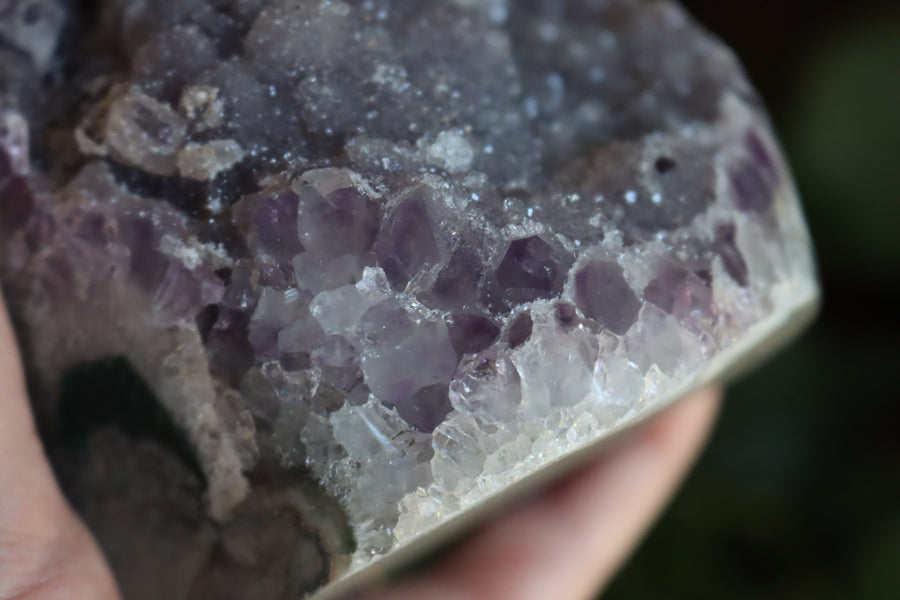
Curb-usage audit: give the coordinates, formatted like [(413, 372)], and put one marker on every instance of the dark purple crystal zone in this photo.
[(753, 179), (533, 269), (726, 247), (269, 224), (603, 295), (239, 331), (679, 292), (406, 244), (298, 241), (470, 334), (317, 235), (321, 228)]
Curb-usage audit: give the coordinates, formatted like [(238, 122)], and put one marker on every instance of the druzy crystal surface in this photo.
[(365, 264)]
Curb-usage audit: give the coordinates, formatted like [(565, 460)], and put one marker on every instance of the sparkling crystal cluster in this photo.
[(376, 260)]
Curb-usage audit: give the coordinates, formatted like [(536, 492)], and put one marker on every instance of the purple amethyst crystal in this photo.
[(427, 346), (754, 178), (532, 269), (471, 334), (363, 265), (337, 223), (456, 286), (268, 222), (406, 242), (603, 295), (427, 408), (679, 292), (731, 256)]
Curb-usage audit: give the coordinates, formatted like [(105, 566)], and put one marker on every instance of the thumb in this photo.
[(46, 553)]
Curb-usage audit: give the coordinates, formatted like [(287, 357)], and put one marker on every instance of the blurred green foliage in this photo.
[(798, 494)]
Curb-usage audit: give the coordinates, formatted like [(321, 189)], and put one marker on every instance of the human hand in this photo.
[(564, 544), (46, 553)]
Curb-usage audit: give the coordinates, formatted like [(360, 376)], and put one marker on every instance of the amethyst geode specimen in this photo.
[(298, 281)]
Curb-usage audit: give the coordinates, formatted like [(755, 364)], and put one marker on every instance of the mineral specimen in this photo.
[(299, 281)]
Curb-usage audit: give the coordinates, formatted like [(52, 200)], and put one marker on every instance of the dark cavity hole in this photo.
[(110, 393), (224, 274), (206, 319), (664, 164), (32, 14)]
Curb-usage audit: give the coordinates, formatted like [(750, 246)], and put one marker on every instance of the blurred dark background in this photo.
[(798, 493)]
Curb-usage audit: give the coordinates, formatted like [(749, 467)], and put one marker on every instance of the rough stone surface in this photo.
[(363, 264)]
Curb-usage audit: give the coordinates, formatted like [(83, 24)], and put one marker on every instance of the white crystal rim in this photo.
[(759, 342)]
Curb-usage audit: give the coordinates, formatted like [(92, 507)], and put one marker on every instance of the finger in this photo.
[(45, 551), (568, 543)]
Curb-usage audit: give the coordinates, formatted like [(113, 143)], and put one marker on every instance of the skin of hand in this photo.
[(565, 544)]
